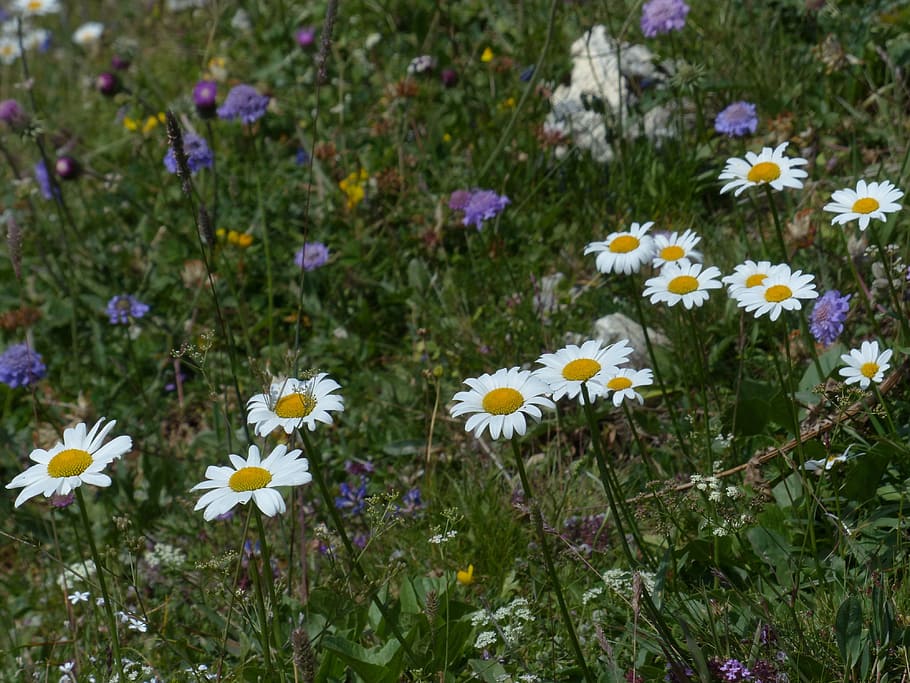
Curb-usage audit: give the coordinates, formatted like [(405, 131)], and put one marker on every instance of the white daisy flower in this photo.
[(88, 34), (867, 201), (675, 248), (9, 50), (292, 403), (624, 382), (252, 479), (769, 167), (780, 291), (747, 275), (78, 460), (500, 401), (686, 283), (571, 367), (36, 39), (828, 463), (865, 365), (624, 252), (34, 8)]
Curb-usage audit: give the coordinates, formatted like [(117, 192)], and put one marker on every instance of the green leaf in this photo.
[(848, 627), (378, 664)]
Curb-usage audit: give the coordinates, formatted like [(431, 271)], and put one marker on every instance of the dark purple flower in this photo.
[(123, 307), (67, 168), (449, 78), (245, 103), (120, 63), (736, 120), (20, 366), (302, 158), (44, 180), (526, 74), (826, 322), (108, 84), (411, 503), (352, 500), (311, 256), (198, 154), (662, 16), (358, 467), (11, 112), (483, 205), (306, 36), (734, 671), (204, 96), (63, 501)]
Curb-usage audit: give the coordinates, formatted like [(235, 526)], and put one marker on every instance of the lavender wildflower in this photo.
[(732, 670), (352, 500), (662, 16), (459, 199), (245, 103), (412, 503), (826, 322), (306, 36), (12, 114), (44, 180), (20, 366), (123, 307), (311, 256), (737, 119), (198, 154), (483, 205), (204, 97)]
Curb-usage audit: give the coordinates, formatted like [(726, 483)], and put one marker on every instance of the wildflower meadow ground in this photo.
[(555, 340)]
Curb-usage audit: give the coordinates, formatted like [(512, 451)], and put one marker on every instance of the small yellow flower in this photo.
[(354, 188), (130, 124), (239, 239), (465, 578), (152, 122), (507, 104), (487, 55), (446, 137), (218, 68)]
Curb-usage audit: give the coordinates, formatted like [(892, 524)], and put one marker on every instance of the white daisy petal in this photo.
[(778, 290), (868, 201), (624, 252), (865, 365), (769, 167), (294, 403)]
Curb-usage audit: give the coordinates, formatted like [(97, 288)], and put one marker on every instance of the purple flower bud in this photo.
[(204, 95), (306, 37), (11, 112), (449, 78), (120, 63), (67, 168), (108, 84)]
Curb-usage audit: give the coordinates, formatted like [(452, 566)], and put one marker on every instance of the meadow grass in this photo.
[(278, 291)]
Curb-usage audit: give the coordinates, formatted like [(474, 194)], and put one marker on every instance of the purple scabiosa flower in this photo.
[(11, 113), (662, 16), (245, 103), (198, 154), (459, 199), (67, 168), (108, 84), (204, 95), (311, 256), (306, 36), (826, 322), (20, 366), (44, 180), (483, 205), (737, 119), (123, 307)]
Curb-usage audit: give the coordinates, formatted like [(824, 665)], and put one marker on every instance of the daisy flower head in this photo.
[(867, 201), (781, 290), (624, 252), (501, 401), (292, 403), (865, 365), (769, 167), (572, 367), (675, 248), (88, 34), (253, 479), (828, 463), (35, 8), (625, 381), (79, 459), (747, 275), (686, 283)]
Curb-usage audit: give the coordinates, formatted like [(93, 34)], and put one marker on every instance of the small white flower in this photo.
[(682, 283), (865, 365), (675, 248), (867, 201), (747, 275), (624, 382), (88, 34), (36, 8), (78, 597), (769, 167), (624, 252), (9, 50)]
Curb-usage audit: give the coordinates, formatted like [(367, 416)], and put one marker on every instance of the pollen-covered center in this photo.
[(580, 369), (619, 383), (672, 253), (868, 369), (503, 401), (624, 244), (683, 284), (777, 293), (69, 463), (865, 205), (249, 479), (755, 279), (295, 405), (764, 172), (34, 5)]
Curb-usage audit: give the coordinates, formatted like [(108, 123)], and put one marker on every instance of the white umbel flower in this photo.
[(769, 167), (567, 370), (865, 365), (293, 403), (253, 479), (625, 381), (501, 401), (624, 252), (79, 459), (867, 201), (688, 284), (675, 248), (780, 291)]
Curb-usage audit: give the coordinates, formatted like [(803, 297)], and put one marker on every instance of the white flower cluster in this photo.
[(509, 619), (134, 623), (620, 581), (76, 574), (439, 539), (713, 487), (165, 556)]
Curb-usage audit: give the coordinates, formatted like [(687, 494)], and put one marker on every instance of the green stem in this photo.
[(264, 631), (548, 561), (99, 566), (270, 582), (777, 226)]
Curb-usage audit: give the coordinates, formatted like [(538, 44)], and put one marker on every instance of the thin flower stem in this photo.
[(108, 607), (703, 383), (654, 469), (884, 405), (534, 508), (777, 226), (227, 622), (861, 285), (267, 563), (264, 631)]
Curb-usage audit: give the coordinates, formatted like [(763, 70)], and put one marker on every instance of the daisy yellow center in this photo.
[(249, 479), (69, 463), (777, 293), (295, 405), (764, 172), (672, 253), (503, 401), (868, 369), (35, 5), (755, 279), (580, 369), (619, 383), (865, 205), (624, 244), (683, 284)]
